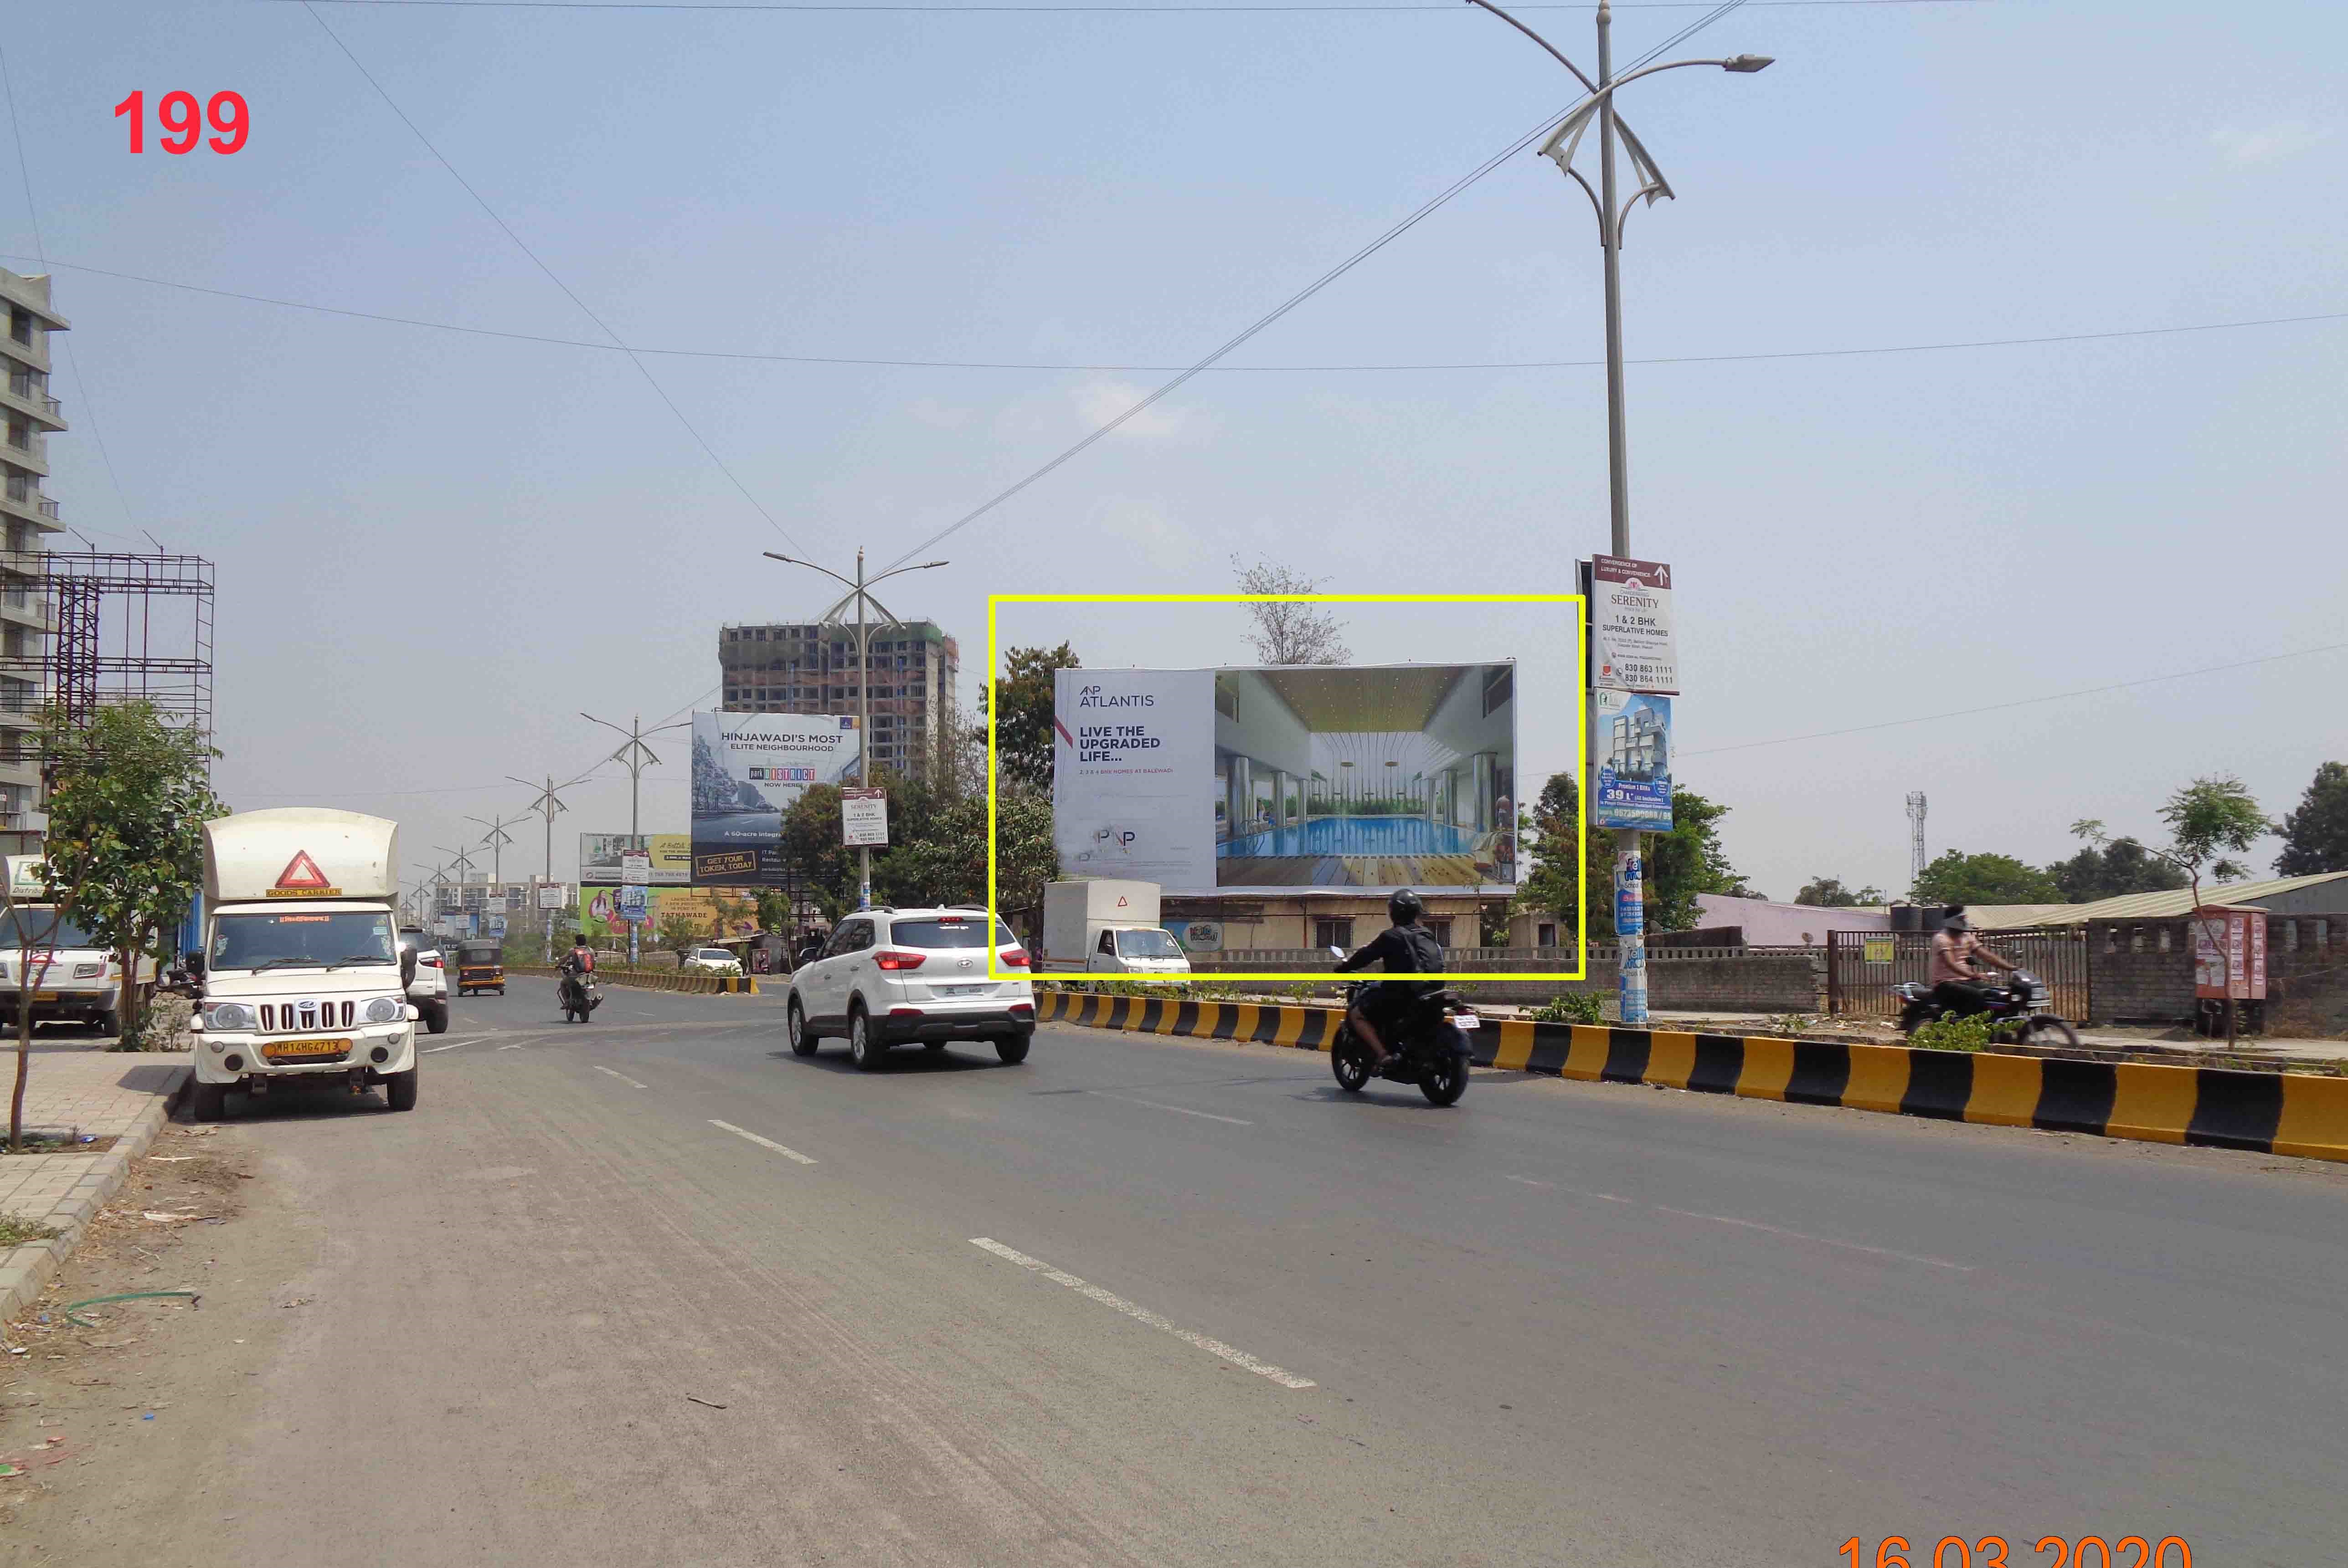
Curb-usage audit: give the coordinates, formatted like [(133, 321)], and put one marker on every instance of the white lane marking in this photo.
[(1177, 1109), (1612, 1199), (515, 1047), (761, 1143), (450, 1046), (1531, 1182), (1143, 1315), (1822, 1240), (621, 1077)]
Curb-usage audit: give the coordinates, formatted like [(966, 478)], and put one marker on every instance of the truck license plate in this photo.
[(45, 996), (1464, 1021), (322, 1050)]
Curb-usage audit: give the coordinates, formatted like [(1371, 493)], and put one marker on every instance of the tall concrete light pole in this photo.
[(1562, 144), (636, 757), (857, 592)]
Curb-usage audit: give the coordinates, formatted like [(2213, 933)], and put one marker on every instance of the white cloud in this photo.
[(1163, 543), (2268, 143), (1101, 401)]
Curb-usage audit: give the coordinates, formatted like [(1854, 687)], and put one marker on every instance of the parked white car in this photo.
[(894, 976), (712, 961), (429, 989)]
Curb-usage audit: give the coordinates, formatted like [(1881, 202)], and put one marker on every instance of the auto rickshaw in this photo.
[(480, 966)]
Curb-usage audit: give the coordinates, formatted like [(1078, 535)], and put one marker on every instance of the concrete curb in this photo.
[(2269, 1113), (696, 984), (24, 1270)]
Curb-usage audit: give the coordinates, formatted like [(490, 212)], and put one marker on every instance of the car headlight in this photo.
[(88, 971), (385, 1010), (228, 1015)]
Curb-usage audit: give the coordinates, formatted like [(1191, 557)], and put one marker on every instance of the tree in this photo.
[(2315, 835), (1960, 878), (1828, 893), (1286, 632), (1024, 713), (128, 796), (2113, 871), (812, 851), (680, 933), (1682, 863)]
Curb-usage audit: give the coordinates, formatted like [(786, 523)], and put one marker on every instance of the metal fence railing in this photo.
[(1863, 968)]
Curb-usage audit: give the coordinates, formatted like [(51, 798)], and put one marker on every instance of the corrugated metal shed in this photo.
[(2180, 901)]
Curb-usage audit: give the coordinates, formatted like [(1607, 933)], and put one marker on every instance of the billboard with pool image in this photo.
[(1305, 777)]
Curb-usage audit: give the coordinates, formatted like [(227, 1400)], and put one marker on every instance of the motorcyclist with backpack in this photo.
[(575, 966), (1408, 948)]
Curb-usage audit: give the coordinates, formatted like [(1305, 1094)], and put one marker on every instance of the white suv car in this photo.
[(891, 976), (429, 989)]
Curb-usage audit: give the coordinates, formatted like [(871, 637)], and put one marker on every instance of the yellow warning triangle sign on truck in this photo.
[(302, 879)]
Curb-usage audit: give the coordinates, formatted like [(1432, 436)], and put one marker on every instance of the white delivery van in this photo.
[(303, 973), (73, 979), (1107, 927)]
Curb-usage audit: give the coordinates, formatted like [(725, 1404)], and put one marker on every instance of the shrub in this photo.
[(1967, 1033), (1571, 1007)]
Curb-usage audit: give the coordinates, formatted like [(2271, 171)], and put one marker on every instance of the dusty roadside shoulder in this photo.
[(116, 1430)]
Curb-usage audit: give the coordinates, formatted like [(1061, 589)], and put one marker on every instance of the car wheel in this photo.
[(109, 1022), (207, 1102), (803, 1039), (862, 1048), (436, 1017), (399, 1091), (1012, 1049)]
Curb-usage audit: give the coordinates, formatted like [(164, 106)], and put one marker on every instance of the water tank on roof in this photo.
[(1906, 917)]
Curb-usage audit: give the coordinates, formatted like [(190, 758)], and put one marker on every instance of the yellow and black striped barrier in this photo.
[(2270, 1113)]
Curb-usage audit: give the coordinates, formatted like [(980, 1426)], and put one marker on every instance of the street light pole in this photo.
[(637, 757), (547, 805), (1630, 873), (858, 590)]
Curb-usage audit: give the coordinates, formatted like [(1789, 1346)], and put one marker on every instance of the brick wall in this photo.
[(2142, 971)]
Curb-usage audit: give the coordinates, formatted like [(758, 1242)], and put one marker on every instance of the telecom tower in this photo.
[(1915, 839)]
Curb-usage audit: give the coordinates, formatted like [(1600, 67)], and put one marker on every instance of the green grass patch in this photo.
[(16, 1232)]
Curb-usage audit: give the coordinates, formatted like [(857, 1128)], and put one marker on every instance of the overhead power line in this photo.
[(1055, 368), (523, 246)]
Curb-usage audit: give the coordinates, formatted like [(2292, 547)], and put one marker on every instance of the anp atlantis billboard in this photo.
[(1298, 777), (747, 769)]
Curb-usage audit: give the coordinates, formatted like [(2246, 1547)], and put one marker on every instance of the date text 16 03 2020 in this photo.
[(1993, 1551)]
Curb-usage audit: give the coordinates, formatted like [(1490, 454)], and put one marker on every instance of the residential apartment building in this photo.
[(27, 520), (810, 667)]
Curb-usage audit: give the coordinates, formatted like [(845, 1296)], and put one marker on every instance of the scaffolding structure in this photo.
[(153, 645)]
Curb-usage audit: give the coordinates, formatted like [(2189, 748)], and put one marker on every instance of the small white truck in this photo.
[(1107, 927), (303, 973), (73, 979)]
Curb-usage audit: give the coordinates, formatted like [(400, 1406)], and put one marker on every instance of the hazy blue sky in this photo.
[(434, 548)]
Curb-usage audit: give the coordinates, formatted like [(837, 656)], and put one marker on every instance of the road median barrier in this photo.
[(655, 980), (2270, 1113)]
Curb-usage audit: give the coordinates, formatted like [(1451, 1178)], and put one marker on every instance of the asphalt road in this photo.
[(1224, 1314)]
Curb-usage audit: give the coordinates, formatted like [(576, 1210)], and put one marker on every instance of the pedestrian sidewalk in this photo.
[(99, 1094)]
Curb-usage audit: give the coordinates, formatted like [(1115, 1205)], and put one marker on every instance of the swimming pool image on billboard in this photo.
[(1365, 776)]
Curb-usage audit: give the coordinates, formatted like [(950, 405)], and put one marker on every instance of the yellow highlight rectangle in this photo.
[(1671, 1057), (2005, 1090), (1879, 1077), (2152, 1104), (1582, 751), (1585, 1058), (2314, 1117), (1769, 1067), (1515, 1047)]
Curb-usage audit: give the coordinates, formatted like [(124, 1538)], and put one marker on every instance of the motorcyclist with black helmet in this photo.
[(1408, 948)]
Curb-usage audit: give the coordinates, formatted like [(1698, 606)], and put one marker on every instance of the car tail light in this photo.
[(429, 960), (898, 958), (1014, 958), (1023, 1006), (904, 1012)]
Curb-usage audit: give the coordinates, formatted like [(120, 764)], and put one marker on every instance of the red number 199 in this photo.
[(181, 126)]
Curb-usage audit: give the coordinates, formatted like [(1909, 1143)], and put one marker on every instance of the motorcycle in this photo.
[(2016, 1007), (579, 995), (1426, 1045)]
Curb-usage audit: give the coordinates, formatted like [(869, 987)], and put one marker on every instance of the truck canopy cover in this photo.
[(300, 851)]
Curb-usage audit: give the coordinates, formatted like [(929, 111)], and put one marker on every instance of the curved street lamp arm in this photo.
[(1537, 38), (795, 561)]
